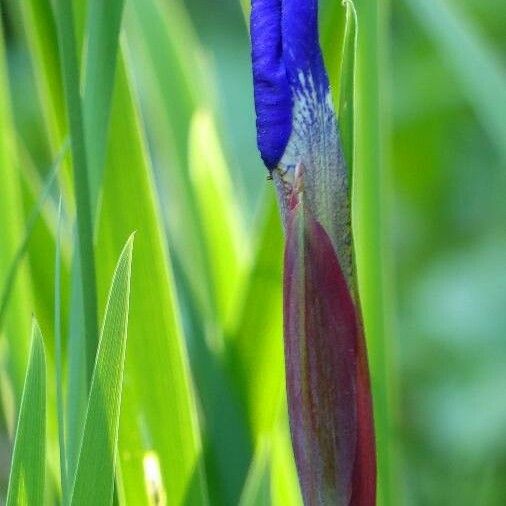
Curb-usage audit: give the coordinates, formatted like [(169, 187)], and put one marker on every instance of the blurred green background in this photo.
[(443, 191)]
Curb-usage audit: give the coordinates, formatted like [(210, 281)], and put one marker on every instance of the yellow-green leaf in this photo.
[(94, 480), (26, 480)]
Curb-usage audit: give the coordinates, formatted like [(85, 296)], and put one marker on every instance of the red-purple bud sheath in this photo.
[(328, 389), (326, 369)]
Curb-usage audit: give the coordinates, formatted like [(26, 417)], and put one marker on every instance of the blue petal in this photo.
[(296, 120), (301, 47), (273, 101), (286, 60)]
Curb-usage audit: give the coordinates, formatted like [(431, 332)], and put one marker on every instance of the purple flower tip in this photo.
[(284, 39)]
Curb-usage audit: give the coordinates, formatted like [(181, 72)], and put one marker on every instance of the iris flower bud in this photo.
[(328, 391)]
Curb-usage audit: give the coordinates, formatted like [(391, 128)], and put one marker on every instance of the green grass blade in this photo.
[(484, 80), (346, 111), (160, 38), (76, 365), (285, 482), (40, 33), (41, 38), (246, 9), (158, 411), (339, 44), (16, 321), (94, 479), (256, 337), (257, 489), (70, 72), (164, 35), (26, 480), (103, 27), (58, 360), (227, 251), (333, 19), (42, 242), (225, 241), (370, 220), (31, 221)]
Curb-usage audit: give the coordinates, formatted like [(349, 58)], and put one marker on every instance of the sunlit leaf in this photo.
[(160, 37), (26, 480), (15, 325), (158, 412), (102, 29), (225, 241), (483, 80), (371, 195), (31, 221), (97, 457), (346, 109), (59, 361), (285, 488), (256, 343), (257, 490), (71, 79)]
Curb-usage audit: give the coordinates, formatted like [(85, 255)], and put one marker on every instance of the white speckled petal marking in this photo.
[(314, 143)]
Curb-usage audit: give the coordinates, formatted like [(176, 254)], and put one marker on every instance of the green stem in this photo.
[(70, 70), (373, 251), (58, 360)]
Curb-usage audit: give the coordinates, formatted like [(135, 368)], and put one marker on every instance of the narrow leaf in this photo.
[(224, 238), (21, 250), (285, 487), (257, 487), (479, 69), (71, 81), (58, 360), (40, 32), (372, 193), (26, 480), (77, 390), (16, 324), (160, 37), (158, 410), (102, 35), (346, 112), (94, 480), (333, 19), (256, 343)]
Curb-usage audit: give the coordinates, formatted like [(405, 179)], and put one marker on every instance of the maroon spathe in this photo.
[(328, 388)]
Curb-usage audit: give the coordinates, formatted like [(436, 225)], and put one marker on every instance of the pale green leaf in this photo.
[(59, 361), (71, 80), (40, 32), (26, 480), (256, 337), (257, 489), (103, 27), (160, 38), (224, 237), (371, 195), (480, 71), (346, 112), (285, 483), (332, 29), (21, 250), (94, 479), (15, 322), (158, 411)]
